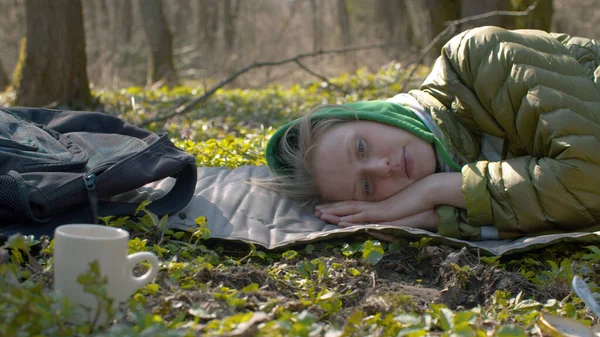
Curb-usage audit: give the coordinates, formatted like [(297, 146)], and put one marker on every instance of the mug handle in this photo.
[(140, 281)]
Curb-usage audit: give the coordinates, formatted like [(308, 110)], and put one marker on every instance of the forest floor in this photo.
[(356, 286)]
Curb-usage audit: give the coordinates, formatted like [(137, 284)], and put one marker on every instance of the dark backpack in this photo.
[(58, 167)]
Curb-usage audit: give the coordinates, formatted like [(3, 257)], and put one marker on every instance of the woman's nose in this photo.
[(380, 167)]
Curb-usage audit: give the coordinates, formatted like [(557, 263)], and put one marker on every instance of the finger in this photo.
[(349, 224), (363, 216), (318, 214), (353, 208), (330, 218), (327, 205), (427, 220), (335, 204)]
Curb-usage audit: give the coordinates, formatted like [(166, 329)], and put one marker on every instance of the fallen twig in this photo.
[(321, 77), (186, 107)]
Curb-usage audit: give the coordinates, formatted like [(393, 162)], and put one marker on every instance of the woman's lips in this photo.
[(408, 163)]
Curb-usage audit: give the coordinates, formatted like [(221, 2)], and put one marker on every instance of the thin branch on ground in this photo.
[(451, 27), (321, 77), (272, 79), (189, 105)]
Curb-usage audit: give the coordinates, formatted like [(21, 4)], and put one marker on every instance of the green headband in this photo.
[(375, 111)]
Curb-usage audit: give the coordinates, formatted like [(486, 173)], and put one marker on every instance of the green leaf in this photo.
[(178, 235), (353, 271), (151, 288), (412, 331), (553, 265), (511, 331), (397, 244), (137, 245), (350, 249), (106, 219), (594, 249), (302, 269), (155, 220), (164, 221), (356, 317), (408, 319), (372, 252), (321, 270), (309, 248), (569, 310), (18, 242), (446, 319), (290, 254), (260, 254), (464, 317), (159, 250), (251, 288), (200, 221), (142, 207), (491, 260)]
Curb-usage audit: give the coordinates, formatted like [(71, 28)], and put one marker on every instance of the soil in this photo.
[(456, 278)]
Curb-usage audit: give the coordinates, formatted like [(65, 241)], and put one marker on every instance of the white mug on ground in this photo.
[(78, 245)]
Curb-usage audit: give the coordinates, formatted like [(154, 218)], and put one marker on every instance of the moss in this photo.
[(18, 73)]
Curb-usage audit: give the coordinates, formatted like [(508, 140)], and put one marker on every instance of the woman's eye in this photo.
[(361, 148), (367, 187)]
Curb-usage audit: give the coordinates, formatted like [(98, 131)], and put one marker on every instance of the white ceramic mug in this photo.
[(76, 246)]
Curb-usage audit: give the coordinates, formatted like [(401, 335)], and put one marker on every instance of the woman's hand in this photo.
[(420, 197), (412, 200), (427, 220)]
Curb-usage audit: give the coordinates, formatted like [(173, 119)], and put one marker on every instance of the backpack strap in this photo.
[(171, 202), (175, 200)]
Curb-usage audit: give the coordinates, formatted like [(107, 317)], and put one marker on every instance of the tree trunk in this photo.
[(539, 18), (183, 11), (230, 12), (385, 11), (4, 82), (91, 28), (344, 22), (427, 18), (475, 7), (160, 42), (420, 21), (123, 15), (395, 30), (316, 25), (12, 28), (103, 27), (208, 26), (52, 63)]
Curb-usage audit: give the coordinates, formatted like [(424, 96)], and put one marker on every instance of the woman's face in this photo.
[(369, 161)]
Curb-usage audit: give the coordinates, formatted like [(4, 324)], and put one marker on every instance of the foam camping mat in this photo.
[(238, 210)]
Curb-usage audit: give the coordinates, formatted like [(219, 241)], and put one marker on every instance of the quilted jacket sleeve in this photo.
[(541, 93)]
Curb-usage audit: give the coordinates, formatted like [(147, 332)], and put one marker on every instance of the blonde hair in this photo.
[(299, 183)]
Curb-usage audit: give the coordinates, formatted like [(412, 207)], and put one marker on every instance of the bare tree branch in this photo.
[(289, 72), (451, 29), (321, 77), (186, 107)]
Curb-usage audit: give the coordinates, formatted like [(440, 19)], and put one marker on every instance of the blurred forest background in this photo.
[(45, 46)]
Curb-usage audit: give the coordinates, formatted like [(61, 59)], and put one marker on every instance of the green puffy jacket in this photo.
[(536, 97)]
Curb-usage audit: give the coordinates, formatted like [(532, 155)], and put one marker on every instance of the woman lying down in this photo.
[(501, 140)]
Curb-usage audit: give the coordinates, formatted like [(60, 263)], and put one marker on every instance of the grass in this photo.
[(354, 287)]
